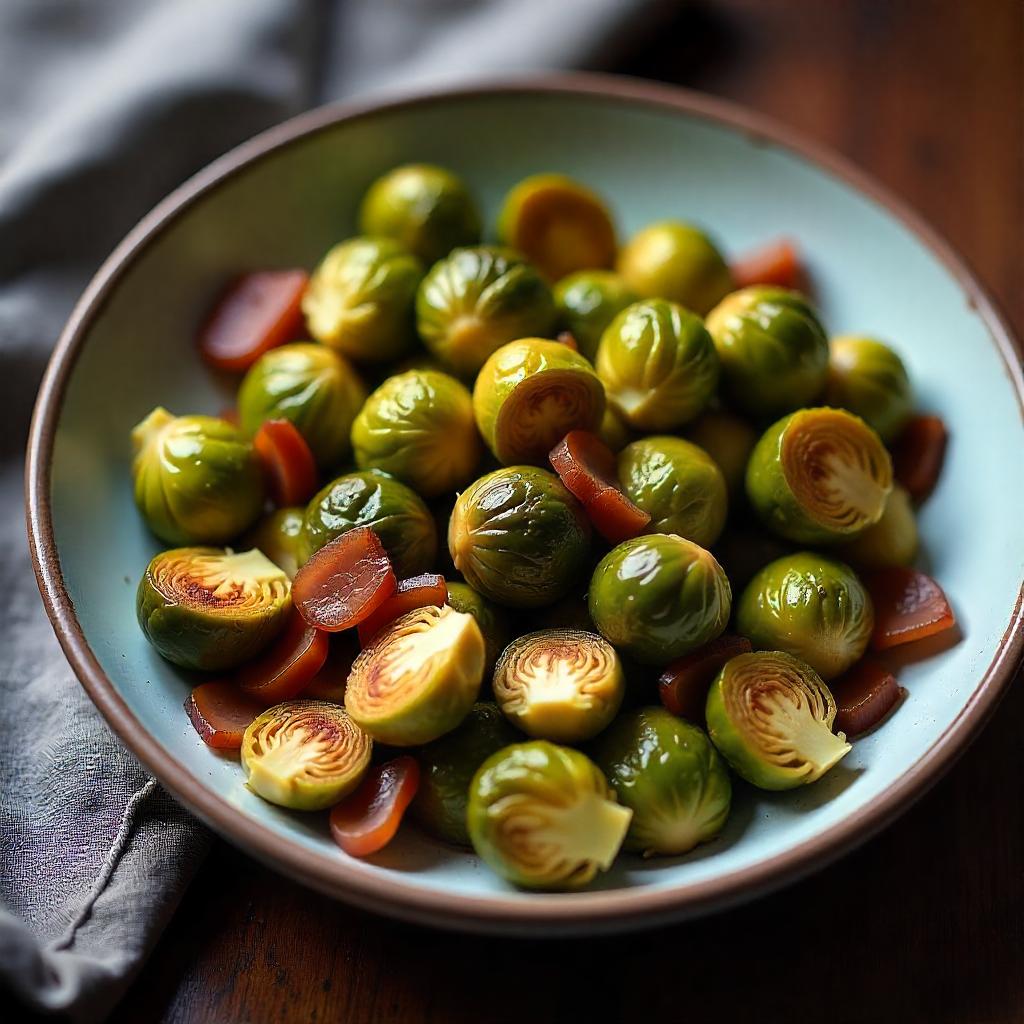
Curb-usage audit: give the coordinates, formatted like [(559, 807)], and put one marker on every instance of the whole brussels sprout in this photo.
[(613, 431), (279, 536), (478, 299), (729, 441), (312, 386), (519, 537), (397, 515), (669, 774), (866, 377), (426, 208), (772, 348), (543, 817), (197, 479), (530, 394), (360, 299), (675, 261), (891, 541), (587, 303), (678, 485), (659, 597), (492, 620), (419, 427), (812, 607), (658, 365)]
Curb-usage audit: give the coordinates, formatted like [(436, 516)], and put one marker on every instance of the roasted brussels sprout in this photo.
[(729, 441), (530, 394), (658, 597), (360, 299), (419, 677), (197, 479), (427, 209), (477, 300), (866, 377), (208, 609), (658, 365), (771, 717), (492, 621), (543, 817), (772, 348), (678, 485), (587, 303), (891, 541), (819, 475), (809, 606), (519, 537), (279, 536), (669, 774)]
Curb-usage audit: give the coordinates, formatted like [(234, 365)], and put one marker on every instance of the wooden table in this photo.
[(926, 923)]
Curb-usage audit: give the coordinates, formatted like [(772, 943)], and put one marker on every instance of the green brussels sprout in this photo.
[(530, 394), (658, 365), (543, 817), (492, 620), (208, 609), (279, 536), (772, 348), (360, 299), (729, 441), (477, 300), (678, 485), (771, 717), (675, 261), (658, 597), (670, 775), (197, 479), (819, 476), (427, 209), (891, 541), (812, 607), (587, 302), (397, 515), (613, 431), (519, 537), (869, 379)]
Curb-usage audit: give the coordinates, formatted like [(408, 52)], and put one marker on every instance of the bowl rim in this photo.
[(351, 880)]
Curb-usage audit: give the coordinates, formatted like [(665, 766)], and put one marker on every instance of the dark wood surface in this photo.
[(925, 923)]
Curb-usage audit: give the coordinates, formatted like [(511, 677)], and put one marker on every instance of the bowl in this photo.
[(282, 200)]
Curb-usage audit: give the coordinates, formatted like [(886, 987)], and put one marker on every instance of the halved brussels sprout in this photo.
[(197, 479), (519, 537), (771, 717), (669, 774), (866, 377), (657, 364), (678, 485), (419, 677), (209, 609), (543, 817), (587, 303), (305, 754), (475, 301), (360, 299), (809, 606), (279, 536), (729, 441), (426, 208), (492, 621), (530, 394), (819, 475), (311, 385), (658, 597), (891, 541), (675, 261)]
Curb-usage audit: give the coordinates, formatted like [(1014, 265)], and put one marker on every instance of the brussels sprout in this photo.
[(869, 379), (891, 541), (658, 597), (492, 621), (305, 754), (208, 609), (772, 348), (771, 717), (669, 774), (678, 485), (425, 208), (477, 300), (809, 606), (519, 537), (530, 394), (360, 299), (729, 441), (419, 677), (543, 817), (658, 365), (819, 475), (279, 536), (312, 386), (197, 478), (587, 303), (397, 515), (613, 431), (675, 261)]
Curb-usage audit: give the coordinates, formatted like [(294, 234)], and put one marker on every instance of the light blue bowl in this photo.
[(282, 200)]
